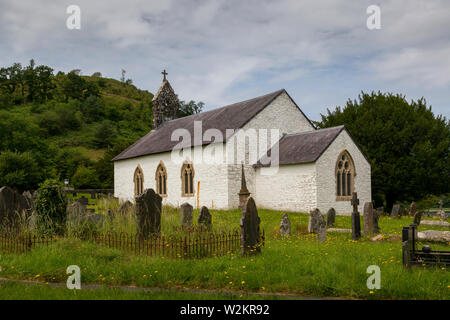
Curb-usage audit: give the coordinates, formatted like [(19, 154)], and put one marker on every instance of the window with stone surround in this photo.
[(187, 180), (138, 181), (161, 179), (345, 177)]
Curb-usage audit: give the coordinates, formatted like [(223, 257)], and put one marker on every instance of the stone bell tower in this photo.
[(165, 103)]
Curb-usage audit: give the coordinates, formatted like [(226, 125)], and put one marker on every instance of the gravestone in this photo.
[(285, 225), (322, 230), (369, 219), (380, 211), (29, 199), (396, 211), (250, 232), (75, 211), (403, 211), (204, 217), (314, 219), (111, 215), (93, 196), (11, 203), (412, 209), (376, 216), (331, 217), (125, 207), (186, 215), (148, 213), (356, 223), (96, 219), (417, 218), (83, 200)]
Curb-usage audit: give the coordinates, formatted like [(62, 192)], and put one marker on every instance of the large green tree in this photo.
[(407, 145)]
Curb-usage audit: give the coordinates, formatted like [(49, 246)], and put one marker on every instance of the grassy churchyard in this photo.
[(287, 267)]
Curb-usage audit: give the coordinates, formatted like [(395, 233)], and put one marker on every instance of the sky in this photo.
[(221, 52)]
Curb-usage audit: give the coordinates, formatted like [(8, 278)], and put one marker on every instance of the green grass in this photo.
[(297, 265)]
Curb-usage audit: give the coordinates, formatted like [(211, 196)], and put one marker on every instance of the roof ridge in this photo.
[(314, 131), (226, 106)]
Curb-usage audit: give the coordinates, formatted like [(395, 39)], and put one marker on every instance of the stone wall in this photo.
[(326, 179)]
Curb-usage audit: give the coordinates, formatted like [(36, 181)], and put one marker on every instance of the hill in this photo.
[(68, 126)]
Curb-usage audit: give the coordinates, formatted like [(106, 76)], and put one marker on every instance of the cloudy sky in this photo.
[(221, 52)]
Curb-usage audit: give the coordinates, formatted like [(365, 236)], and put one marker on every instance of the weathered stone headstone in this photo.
[(441, 213), (186, 215), (331, 217), (11, 203), (29, 199), (380, 211), (93, 196), (83, 200), (204, 217), (314, 219), (369, 219), (376, 216), (417, 218), (75, 211), (111, 215), (396, 211), (285, 225), (322, 230), (148, 213), (125, 207), (250, 232), (412, 209), (356, 223)]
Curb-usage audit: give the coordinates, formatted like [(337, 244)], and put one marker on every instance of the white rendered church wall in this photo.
[(326, 179), (281, 114), (293, 188), (212, 177)]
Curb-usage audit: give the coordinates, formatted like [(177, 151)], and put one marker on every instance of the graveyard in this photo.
[(302, 255)]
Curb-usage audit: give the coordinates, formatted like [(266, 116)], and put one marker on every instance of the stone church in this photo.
[(288, 164)]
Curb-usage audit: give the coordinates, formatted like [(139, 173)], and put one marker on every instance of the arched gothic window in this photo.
[(138, 181), (187, 180), (345, 176), (161, 180)]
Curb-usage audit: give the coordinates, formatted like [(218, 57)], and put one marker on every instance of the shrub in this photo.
[(85, 178), (51, 207)]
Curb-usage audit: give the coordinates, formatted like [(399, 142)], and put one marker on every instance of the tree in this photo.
[(105, 135), (19, 171), (187, 109), (85, 178), (407, 145)]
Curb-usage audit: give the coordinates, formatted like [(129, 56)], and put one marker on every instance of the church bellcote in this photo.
[(165, 103)]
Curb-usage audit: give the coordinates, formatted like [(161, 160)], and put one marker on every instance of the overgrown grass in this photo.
[(298, 265)]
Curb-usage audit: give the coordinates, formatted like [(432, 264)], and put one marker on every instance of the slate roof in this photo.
[(304, 147), (233, 116)]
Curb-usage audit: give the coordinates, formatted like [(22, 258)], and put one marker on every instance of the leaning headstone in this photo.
[(285, 225), (356, 223), (204, 217), (125, 207), (148, 213), (314, 219), (186, 215), (396, 211), (417, 218), (11, 203), (250, 232), (369, 219), (322, 230), (331, 217)]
